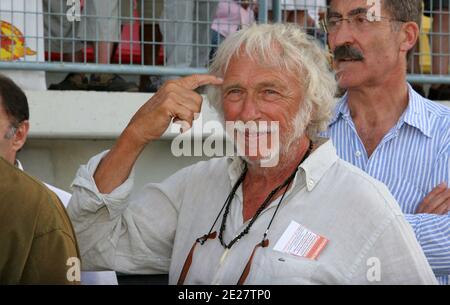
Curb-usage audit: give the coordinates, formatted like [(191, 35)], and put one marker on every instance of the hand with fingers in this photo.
[(436, 202), (176, 100)]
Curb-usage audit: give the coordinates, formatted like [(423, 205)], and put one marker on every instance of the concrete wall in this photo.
[(67, 128), (56, 161)]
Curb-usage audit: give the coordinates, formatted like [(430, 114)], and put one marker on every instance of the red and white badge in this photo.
[(299, 241)]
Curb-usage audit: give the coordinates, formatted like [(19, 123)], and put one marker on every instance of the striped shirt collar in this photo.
[(415, 114)]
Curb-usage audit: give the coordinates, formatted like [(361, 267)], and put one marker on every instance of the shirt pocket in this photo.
[(277, 268)]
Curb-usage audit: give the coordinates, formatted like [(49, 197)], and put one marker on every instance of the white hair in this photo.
[(288, 48)]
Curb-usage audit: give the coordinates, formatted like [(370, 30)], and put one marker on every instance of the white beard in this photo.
[(280, 146)]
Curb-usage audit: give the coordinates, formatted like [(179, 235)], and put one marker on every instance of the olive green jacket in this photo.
[(37, 241)]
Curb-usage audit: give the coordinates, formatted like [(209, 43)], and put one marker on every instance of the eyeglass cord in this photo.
[(268, 199)]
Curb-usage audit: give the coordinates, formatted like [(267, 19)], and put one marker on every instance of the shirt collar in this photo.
[(414, 115), (319, 162), (18, 164), (341, 110)]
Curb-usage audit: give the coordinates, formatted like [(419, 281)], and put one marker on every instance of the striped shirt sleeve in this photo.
[(433, 234), (433, 231)]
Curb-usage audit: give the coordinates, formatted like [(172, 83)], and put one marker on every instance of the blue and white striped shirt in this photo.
[(412, 159)]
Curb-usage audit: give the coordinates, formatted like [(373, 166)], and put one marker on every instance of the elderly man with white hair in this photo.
[(309, 219)]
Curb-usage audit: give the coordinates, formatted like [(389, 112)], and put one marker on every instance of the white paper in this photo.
[(299, 241), (98, 278)]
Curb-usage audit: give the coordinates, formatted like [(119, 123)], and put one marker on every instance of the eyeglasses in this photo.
[(359, 22)]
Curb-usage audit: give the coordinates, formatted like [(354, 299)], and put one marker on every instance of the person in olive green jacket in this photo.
[(37, 241)]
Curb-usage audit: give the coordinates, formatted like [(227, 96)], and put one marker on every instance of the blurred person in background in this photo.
[(230, 16), (149, 13), (306, 13), (186, 31), (99, 26)]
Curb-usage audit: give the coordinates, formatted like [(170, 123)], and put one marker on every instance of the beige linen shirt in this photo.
[(152, 231)]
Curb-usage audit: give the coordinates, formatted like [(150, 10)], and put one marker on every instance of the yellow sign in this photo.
[(12, 43)]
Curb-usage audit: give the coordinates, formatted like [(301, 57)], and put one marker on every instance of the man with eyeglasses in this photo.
[(383, 126), (307, 218)]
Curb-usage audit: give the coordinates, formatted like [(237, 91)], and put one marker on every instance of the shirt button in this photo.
[(310, 183), (358, 154)]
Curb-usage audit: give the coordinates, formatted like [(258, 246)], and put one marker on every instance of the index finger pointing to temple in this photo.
[(197, 80)]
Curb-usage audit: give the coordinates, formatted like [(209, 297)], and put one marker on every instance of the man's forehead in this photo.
[(242, 61), (258, 70), (346, 7), (266, 79)]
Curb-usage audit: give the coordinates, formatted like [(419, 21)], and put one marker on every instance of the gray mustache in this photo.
[(347, 52)]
